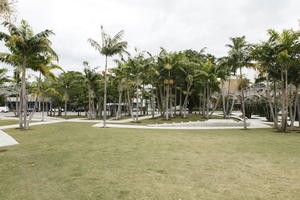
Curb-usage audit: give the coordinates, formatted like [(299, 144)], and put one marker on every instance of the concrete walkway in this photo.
[(6, 140)]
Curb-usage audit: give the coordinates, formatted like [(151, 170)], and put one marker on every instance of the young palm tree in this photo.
[(109, 47), (27, 51)]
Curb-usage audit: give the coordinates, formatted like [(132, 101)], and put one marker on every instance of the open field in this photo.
[(76, 161)]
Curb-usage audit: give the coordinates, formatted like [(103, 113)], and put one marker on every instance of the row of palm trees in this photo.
[(171, 83)]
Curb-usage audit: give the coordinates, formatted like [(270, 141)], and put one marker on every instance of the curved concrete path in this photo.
[(6, 140)]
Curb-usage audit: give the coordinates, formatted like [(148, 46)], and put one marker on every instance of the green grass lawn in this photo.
[(11, 122), (8, 122), (75, 161), (176, 119)]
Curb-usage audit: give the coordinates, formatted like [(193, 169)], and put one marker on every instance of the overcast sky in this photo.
[(151, 24)]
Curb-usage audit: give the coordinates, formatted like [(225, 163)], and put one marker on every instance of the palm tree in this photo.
[(27, 51), (121, 77), (239, 55), (7, 9), (109, 47), (278, 61), (66, 83), (91, 81), (3, 77)]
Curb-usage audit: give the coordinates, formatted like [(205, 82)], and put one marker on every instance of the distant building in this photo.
[(12, 102), (231, 85)]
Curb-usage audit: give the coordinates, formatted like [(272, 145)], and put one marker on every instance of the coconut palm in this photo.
[(109, 47), (27, 51)]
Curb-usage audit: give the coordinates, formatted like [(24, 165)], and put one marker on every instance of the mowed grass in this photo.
[(75, 161), (12, 122), (8, 122)]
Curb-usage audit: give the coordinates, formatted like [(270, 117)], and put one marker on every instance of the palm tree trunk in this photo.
[(270, 103), (167, 102), (223, 100), (291, 103), (90, 106), (66, 108), (137, 103), (24, 97), (180, 103), (158, 102), (50, 106), (185, 100), (20, 106), (105, 94), (215, 107), (119, 104), (227, 103), (204, 102), (171, 103), (163, 105), (284, 101), (243, 101), (175, 101), (130, 105), (296, 104), (243, 109), (153, 103), (207, 101), (43, 110), (232, 106)]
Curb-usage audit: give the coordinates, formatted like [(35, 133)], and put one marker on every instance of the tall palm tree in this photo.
[(239, 55), (27, 51), (109, 47)]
